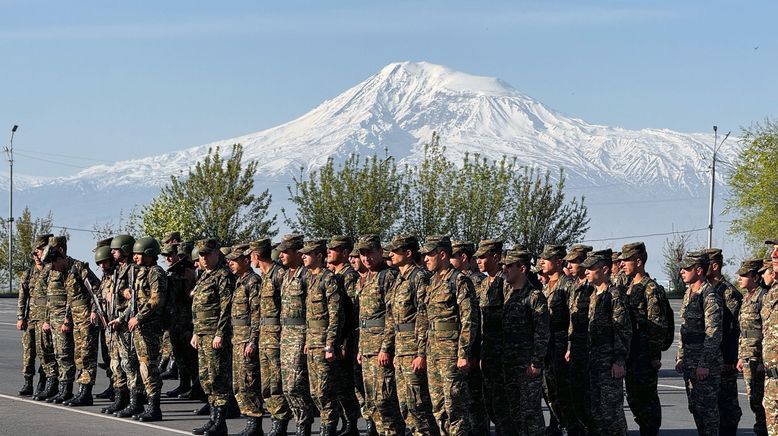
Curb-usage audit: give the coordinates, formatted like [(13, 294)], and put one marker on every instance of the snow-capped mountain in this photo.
[(398, 109)]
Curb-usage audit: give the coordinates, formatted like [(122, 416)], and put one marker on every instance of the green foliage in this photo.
[(752, 184), (215, 200), (674, 251), (356, 198), (26, 230), (129, 226)]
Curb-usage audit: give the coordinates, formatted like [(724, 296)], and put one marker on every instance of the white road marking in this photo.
[(98, 415), (683, 388)]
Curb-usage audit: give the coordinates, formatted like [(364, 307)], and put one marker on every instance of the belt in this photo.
[(79, 303), (40, 301), (292, 321), (318, 323), (269, 321), (205, 313), (755, 334), (238, 322), (693, 338), (444, 326), (771, 372), (378, 322), (405, 327), (57, 298)]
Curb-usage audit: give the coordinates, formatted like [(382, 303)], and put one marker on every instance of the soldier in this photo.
[(338, 250), (577, 354), (294, 367), (24, 308), (526, 325), (452, 332), (464, 260), (610, 333), (646, 303), (324, 315), (211, 308), (729, 408), (104, 246), (375, 350), (556, 388), (168, 366), (618, 277), (118, 379), (406, 321), (37, 314), (750, 342), (245, 316), (359, 385), (699, 356), (491, 304), (770, 342)]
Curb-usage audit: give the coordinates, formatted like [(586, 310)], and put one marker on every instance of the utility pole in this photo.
[(10, 152), (716, 147)]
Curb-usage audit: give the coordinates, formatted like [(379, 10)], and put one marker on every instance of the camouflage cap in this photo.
[(714, 255), (488, 246), (519, 247), (313, 245), (578, 252), (237, 251), (354, 252), (766, 264), (514, 256), (615, 256), (207, 246), (752, 265), (468, 247), (693, 258), (596, 257), (403, 242), (552, 251), (171, 236), (341, 241), (169, 249), (292, 241), (773, 241), (195, 254), (436, 242), (42, 241), (631, 250), (58, 241), (185, 248), (369, 242), (260, 245)]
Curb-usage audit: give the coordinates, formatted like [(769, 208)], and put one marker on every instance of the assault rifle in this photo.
[(133, 303)]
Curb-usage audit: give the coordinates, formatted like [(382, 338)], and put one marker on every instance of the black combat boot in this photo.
[(107, 393), (185, 385), (121, 398), (196, 393), (26, 389), (371, 429), (48, 391), (133, 407), (170, 372), (152, 411), (208, 424), (278, 427), (41, 384), (84, 397), (232, 409), (303, 429), (205, 409), (219, 426), (253, 427), (349, 426), (328, 429), (65, 393)]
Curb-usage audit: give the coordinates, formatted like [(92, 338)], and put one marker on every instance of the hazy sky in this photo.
[(94, 81)]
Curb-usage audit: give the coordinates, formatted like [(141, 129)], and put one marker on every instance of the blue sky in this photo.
[(96, 81)]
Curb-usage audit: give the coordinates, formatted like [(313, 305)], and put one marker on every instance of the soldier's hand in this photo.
[(46, 327), (133, 323), (108, 296), (384, 359), (463, 364), (567, 356), (20, 325), (617, 371), (92, 318), (65, 328), (656, 364), (702, 373), (249, 350), (739, 365), (217, 343), (329, 356), (127, 293), (419, 364), (193, 342), (359, 358), (679, 366)]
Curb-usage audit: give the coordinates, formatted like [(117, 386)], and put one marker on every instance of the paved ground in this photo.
[(22, 416)]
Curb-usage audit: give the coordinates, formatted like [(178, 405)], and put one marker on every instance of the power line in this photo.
[(28, 156), (67, 156), (646, 235)]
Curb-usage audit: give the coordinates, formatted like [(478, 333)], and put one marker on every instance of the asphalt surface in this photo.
[(22, 416)]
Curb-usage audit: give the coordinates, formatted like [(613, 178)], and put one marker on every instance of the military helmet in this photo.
[(146, 245), (102, 253), (124, 243)]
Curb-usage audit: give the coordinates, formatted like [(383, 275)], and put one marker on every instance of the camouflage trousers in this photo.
[(729, 408), (85, 337), (29, 353), (245, 382), (321, 376), (345, 388), (450, 394), (44, 349), (607, 399), (578, 373), (479, 420), (215, 368), (381, 404), (145, 339), (414, 397), (294, 374), (166, 348), (124, 362), (770, 403), (183, 353), (755, 382), (556, 388), (495, 397), (272, 391), (64, 349), (642, 395), (703, 400), (524, 396)]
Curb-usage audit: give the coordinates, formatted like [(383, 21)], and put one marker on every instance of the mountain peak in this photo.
[(438, 77)]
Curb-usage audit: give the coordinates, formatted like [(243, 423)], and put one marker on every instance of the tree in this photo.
[(753, 202), (358, 197), (214, 200), (674, 250), (26, 230), (130, 226)]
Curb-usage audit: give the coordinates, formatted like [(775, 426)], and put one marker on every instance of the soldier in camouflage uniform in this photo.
[(245, 317), (324, 322), (338, 250), (24, 309), (770, 343), (610, 333), (729, 408), (646, 303), (699, 356), (750, 342), (168, 362), (359, 384), (618, 277), (211, 308), (577, 354), (526, 327), (118, 379), (453, 326), (375, 353), (406, 322), (491, 303), (272, 276), (38, 313), (104, 248), (555, 385)]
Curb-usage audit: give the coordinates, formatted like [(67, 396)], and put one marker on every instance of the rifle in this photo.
[(112, 307), (26, 311), (101, 318), (133, 303)]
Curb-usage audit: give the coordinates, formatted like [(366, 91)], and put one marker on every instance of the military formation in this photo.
[(433, 337)]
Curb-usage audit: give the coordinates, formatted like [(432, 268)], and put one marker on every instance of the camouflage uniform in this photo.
[(610, 333), (38, 314), (24, 308), (750, 347), (80, 304), (58, 314), (150, 292), (770, 356), (181, 279), (124, 361), (700, 347)]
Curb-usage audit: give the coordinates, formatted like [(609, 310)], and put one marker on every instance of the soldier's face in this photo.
[(774, 257), (458, 261), (239, 266), (171, 258), (768, 277), (312, 260), (117, 254), (747, 281), (400, 257), (356, 263), (691, 275), (371, 258), (106, 265), (209, 261), (336, 255), (435, 261), (576, 269), (512, 272), (629, 266), (548, 266), (137, 258), (597, 274)]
